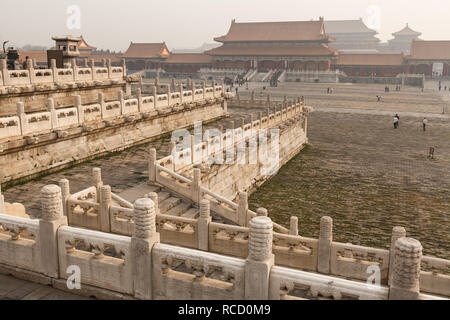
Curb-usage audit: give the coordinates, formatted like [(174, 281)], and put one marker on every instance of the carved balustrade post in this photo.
[(108, 65), (105, 205), (4, 71), (52, 217), (30, 68), (242, 210), (397, 233), (325, 241), (293, 226), (204, 89), (77, 104), (54, 70), (203, 225), (260, 259), (65, 192), (124, 67), (152, 166), (73, 65), (51, 109), (262, 212), (101, 102), (2, 201), (120, 97), (22, 117), (169, 98), (92, 63), (405, 280), (154, 197), (139, 98), (142, 241), (98, 183), (196, 186)]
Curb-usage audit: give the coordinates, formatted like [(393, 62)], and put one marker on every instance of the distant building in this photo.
[(140, 56), (376, 65), (402, 40), (186, 62), (85, 49), (352, 36), (431, 58), (300, 45)]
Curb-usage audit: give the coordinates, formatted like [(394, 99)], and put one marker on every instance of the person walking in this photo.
[(424, 123), (395, 122)]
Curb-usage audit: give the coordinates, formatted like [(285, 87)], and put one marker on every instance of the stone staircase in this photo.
[(168, 203)]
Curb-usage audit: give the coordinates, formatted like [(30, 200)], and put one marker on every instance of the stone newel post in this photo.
[(325, 240), (260, 259), (405, 280), (52, 217), (203, 225), (142, 241)]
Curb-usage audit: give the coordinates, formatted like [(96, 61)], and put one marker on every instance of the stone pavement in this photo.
[(17, 289)]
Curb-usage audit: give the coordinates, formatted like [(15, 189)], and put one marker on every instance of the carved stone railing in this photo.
[(20, 243), (290, 284), (104, 259), (84, 116), (196, 275), (140, 266), (59, 75), (351, 261)]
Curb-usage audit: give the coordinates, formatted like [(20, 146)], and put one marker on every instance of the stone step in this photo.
[(168, 204), (163, 195), (153, 188), (179, 209), (192, 213)]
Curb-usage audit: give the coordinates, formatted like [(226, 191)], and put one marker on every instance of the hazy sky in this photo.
[(189, 23)]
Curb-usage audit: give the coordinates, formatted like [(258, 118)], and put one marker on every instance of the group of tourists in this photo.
[(397, 122)]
